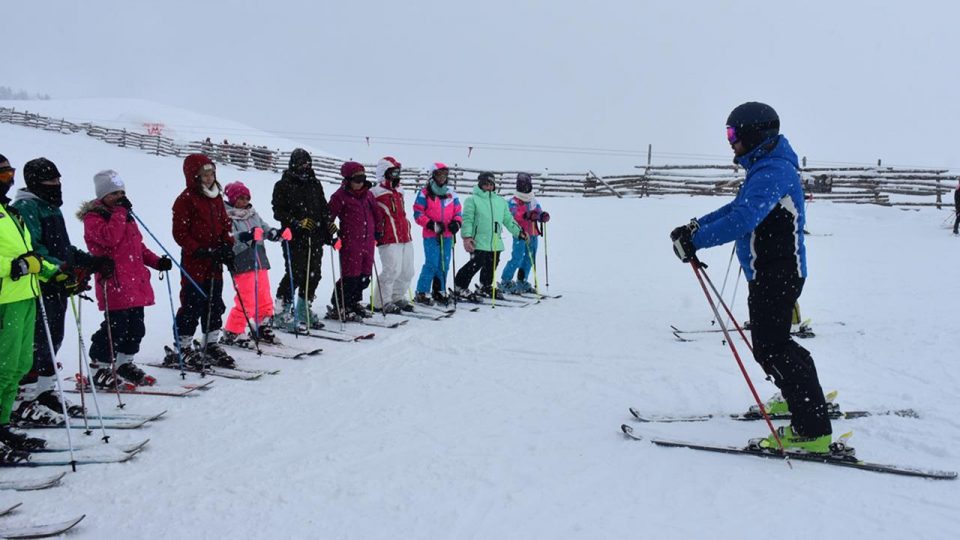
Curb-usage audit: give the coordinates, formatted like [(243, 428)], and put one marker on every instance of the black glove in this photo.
[(28, 263), (125, 202), (435, 227), (453, 227), (103, 211), (245, 236), (224, 255), (683, 241), (164, 264), (103, 266), (272, 235), (544, 217)]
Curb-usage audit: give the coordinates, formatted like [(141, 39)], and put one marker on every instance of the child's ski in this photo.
[(32, 484), (41, 531), (156, 390)]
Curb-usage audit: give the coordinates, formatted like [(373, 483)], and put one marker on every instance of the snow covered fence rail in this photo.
[(860, 185)]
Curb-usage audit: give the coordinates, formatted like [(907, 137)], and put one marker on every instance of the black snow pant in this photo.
[(773, 294), (56, 305), (353, 288), (127, 330), (195, 308), (482, 261), (300, 251)]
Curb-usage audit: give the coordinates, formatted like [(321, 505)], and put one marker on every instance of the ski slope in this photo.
[(505, 423)]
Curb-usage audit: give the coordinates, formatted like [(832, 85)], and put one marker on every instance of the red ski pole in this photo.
[(699, 272)]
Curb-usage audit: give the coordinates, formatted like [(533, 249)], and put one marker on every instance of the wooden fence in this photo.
[(859, 185)]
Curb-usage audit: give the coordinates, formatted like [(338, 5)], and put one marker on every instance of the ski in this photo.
[(803, 333), (156, 390), (835, 414), (126, 447), (275, 351), (827, 459), (535, 296), (226, 373), (381, 323), (121, 416), (435, 316), (5, 511), (32, 484), (77, 423), (331, 335), (82, 457), (41, 531)]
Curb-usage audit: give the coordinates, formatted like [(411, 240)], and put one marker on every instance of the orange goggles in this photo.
[(7, 175)]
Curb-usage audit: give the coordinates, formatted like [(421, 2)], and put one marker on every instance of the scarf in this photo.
[(525, 197)]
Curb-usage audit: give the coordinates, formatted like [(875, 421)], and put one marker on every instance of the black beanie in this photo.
[(298, 157), (7, 167), (39, 170)]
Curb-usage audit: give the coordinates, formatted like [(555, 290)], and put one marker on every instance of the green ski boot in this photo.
[(793, 442)]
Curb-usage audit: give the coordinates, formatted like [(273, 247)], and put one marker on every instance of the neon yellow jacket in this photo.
[(14, 242)]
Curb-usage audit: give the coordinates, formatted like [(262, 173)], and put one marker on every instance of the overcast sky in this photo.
[(853, 81)]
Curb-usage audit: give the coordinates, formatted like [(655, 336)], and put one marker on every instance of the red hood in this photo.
[(191, 168)]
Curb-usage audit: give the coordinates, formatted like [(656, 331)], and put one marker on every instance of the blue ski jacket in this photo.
[(767, 216)]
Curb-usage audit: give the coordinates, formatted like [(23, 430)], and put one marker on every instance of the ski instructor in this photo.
[(766, 220)]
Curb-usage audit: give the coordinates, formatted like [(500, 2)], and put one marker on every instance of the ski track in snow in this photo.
[(504, 423)]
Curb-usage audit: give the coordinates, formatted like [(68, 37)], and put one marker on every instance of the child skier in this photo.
[(484, 214), (201, 228), (110, 231), (396, 246), (39, 206), (254, 299), (526, 210), (437, 209), (354, 205), (300, 205), (20, 268)]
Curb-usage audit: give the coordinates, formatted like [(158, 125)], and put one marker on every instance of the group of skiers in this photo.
[(217, 229)]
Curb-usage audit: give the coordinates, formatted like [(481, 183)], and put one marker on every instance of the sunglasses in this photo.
[(7, 175), (358, 178), (732, 135)]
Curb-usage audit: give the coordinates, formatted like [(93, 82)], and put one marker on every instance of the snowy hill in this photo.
[(504, 423)]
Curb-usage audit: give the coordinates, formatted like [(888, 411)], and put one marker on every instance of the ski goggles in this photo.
[(732, 135), (393, 173), (7, 174), (358, 178)]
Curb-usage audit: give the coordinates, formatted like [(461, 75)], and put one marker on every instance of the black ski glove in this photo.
[(453, 227), (103, 266), (164, 264), (683, 241)]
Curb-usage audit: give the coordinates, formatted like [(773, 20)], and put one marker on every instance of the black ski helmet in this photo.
[(751, 124)]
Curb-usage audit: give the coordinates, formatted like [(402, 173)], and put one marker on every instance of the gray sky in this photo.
[(853, 81)]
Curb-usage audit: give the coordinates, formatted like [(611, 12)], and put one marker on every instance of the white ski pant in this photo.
[(396, 272)]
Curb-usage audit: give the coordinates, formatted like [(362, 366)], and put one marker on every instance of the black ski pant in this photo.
[(956, 222), (485, 262), (773, 294), (300, 251), (195, 308), (127, 330), (56, 305), (353, 288)]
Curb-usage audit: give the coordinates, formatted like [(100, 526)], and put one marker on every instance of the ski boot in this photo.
[(265, 335), (363, 312), (441, 299), (792, 442), (305, 315), (237, 340), (523, 287), (777, 406), (423, 298), (11, 457), (17, 440), (390, 308), (34, 412), (50, 400), (334, 314), (191, 357), (218, 357), (404, 305), (508, 286), (487, 292), (466, 295), (131, 373)]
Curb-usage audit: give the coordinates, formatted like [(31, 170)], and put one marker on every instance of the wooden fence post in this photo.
[(939, 201)]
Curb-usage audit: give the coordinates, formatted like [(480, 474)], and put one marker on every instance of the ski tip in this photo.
[(627, 430), (637, 416)]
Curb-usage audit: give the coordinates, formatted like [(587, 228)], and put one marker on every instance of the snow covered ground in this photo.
[(505, 423)]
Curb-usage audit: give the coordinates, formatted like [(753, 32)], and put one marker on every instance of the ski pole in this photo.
[(493, 284), (170, 255), (176, 332), (246, 316), (546, 257), (379, 290), (113, 355), (338, 300), (533, 266), (293, 294), (700, 273), (306, 284), (80, 379), (256, 288), (727, 310), (726, 275), (453, 264), (93, 390), (56, 369)]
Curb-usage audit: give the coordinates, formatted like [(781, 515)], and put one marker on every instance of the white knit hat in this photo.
[(106, 182)]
